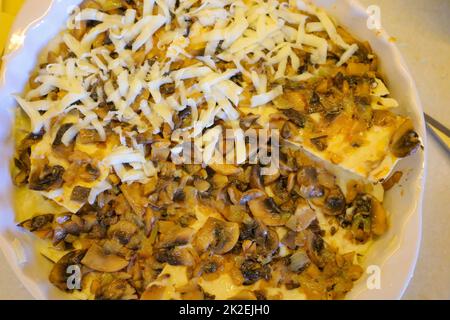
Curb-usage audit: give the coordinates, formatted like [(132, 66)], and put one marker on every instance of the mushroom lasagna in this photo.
[(100, 125)]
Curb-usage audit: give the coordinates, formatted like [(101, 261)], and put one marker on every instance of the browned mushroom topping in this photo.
[(248, 121), (62, 130), (267, 211), (177, 237), (320, 142), (59, 275), (267, 241), (302, 218), (135, 197), (50, 178), (216, 236), (307, 178), (251, 195), (271, 178), (122, 231), (392, 180), (334, 202), (252, 271), (405, 141), (256, 181), (80, 194), (296, 117), (38, 223), (226, 169), (97, 259), (298, 261), (176, 256), (117, 289)]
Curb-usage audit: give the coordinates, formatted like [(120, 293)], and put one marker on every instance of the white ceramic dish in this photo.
[(395, 253)]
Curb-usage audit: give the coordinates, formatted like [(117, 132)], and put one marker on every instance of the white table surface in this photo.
[(422, 30)]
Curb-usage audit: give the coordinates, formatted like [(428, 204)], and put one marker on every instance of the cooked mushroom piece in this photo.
[(271, 178), (314, 246), (80, 194), (302, 218), (97, 259), (334, 202), (50, 178), (216, 236), (122, 231), (226, 169), (59, 275), (298, 261), (256, 180), (252, 271), (62, 130), (405, 141), (307, 179), (178, 237), (248, 121), (251, 195), (267, 241), (176, 256), (118, 289), (38, 223), (296, 117), (369, 216), (267, 211), (134, 194)]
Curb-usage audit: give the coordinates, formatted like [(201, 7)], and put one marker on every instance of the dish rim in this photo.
[(28, 19)]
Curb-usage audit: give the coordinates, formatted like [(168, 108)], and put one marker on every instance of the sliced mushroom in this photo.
[(234, 194), (41, 222), (296, 117), (314, 246), (117, 289), (50, 178), (405, 141), (98, 260), (307, 179), (368, 216), (216, 236), (267, 241), (122, 231), (226, 169), (267, 211), (135, 197), (256, 181), (248, 121), (251, 195), (80, 194), (302, 218), (272, 178), (334, 202), (176, 256), (59, 273), (177, 237), (252, 271), (62, 130), (298, 261)]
